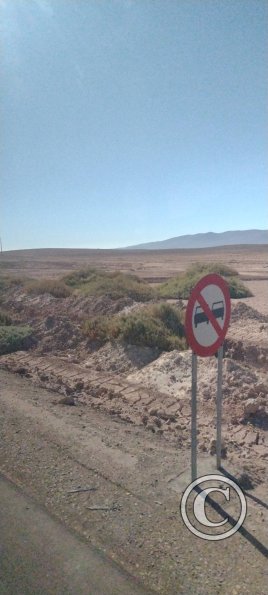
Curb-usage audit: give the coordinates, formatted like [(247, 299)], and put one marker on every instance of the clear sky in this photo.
[(125, 121)]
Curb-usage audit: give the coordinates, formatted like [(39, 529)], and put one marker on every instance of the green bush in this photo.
[(5, 319), (182, 285), (211, 267), (237, 288), (56, 288), (78, 278), (14, 338), (170, 316), (99, 329), (158, 326), (115, 285)]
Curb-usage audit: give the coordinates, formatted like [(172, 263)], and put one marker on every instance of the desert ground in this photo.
[(127, 433), (153, 265)]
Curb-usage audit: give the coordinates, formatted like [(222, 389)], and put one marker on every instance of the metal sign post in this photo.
[(193, 419), (219, 407)]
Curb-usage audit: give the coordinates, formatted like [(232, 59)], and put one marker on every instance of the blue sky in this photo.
[(127, 121)]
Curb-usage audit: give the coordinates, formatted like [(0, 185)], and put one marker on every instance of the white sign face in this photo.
[(208, 315), (204, 331)]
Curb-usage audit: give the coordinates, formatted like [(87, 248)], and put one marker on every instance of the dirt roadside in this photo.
[(144, 387), (39, 555), (50, 450)]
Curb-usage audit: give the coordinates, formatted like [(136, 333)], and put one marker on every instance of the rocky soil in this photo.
[(118, 417), (142, 386), (119, 488)]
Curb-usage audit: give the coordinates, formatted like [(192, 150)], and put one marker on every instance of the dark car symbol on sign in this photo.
[(217, 311)]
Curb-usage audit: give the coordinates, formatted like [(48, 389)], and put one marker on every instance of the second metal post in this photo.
[(193, 420), (219, 407)]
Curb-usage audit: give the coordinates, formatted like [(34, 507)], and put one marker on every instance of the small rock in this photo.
[(153, 411), (157, 422), (253, 407), (68, 400), (245, 482), (151, 427), (79, 385), (212, 448), (251, 438)]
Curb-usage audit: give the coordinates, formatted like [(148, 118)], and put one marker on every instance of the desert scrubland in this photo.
[(85, 400)]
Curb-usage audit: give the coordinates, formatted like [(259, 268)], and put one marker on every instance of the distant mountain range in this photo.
[(207, 240)]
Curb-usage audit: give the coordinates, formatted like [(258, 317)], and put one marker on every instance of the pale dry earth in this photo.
[(39, 555), (51, 451), (127, 432), (153, 265)]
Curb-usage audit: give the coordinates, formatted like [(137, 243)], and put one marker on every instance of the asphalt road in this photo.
[(39, 556)]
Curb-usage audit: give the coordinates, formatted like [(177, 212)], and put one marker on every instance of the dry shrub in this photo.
[(115, 285), (56, 288), (5, 319), (182, 285), (157, 326), (15, 338)]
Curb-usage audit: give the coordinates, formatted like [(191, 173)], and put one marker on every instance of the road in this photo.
[(39, 556)]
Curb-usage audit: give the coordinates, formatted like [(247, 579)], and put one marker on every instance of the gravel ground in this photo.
[(51, 450)]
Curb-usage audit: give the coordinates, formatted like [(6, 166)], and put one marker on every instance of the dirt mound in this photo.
[(121, 359), (247, 336), (243, 311), (57, 323), (171, 374), (75, 306)]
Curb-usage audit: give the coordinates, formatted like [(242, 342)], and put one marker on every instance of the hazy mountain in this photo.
[(208, 240)]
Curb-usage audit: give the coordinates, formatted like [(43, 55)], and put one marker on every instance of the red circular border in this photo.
[(211, 279)]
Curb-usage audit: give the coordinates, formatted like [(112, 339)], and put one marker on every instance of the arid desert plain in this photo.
[(116, 417)]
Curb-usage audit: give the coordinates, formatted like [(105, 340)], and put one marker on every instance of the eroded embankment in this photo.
[(139, 385)]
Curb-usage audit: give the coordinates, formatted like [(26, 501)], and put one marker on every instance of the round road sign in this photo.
[(208, 315)]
